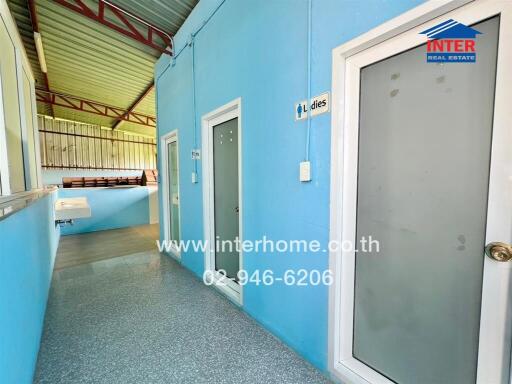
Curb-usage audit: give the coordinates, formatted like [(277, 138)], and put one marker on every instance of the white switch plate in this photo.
[(194, 177), (305, 171)]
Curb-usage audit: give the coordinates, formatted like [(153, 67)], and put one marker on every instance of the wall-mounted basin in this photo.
[(72, 208)]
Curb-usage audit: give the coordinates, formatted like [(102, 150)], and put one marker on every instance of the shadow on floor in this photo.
[(93, 246), (145, 319)]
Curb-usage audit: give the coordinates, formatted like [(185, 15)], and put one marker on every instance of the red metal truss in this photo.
[(134, 105), (123, 22), (84, 105)]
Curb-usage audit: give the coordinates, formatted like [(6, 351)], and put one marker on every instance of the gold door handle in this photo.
[(499, 251)]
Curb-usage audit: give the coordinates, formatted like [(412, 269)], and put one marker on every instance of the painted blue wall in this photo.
[(111, 208), (257, 50), (28, 244)]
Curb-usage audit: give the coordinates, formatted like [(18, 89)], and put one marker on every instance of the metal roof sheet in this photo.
[(21, 14), (89, 60)]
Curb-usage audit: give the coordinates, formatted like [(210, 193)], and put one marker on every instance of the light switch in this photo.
[(194, 177), (305, 171)]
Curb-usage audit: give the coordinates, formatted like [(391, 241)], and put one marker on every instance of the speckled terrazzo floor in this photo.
[(144, 319)]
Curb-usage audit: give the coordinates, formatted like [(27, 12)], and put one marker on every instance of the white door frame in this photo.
[(227, 112), (384, 41), (166, 190)]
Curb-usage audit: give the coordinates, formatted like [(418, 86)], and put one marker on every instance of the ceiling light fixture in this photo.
[(40, 52)]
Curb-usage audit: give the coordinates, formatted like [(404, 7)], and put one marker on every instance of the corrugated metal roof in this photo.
[(167, 15), (147, 104), (91, 61), (21, 14)]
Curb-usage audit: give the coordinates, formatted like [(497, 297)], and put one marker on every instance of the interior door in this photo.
[(424, 159), (173, 190), (427, 175), (226, 207)]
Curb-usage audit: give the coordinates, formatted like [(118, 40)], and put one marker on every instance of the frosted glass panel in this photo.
[(174, 199), (225, 164), (11, 111), (424, 154)]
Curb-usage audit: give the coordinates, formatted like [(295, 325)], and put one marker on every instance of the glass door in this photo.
[(226, 210), (221, 139), (423, 180), (172, 219), (426, 173)]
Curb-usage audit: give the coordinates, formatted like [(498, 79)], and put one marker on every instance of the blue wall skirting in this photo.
[(28, 245), (111, 208), (258, 51)]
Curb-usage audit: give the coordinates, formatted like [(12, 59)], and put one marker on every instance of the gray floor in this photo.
[(143, 318), (88, 247)]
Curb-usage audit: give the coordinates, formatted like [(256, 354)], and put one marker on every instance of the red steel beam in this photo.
[(135, 103), (95, 137), (35, 28), (90, 106), (144, 32)]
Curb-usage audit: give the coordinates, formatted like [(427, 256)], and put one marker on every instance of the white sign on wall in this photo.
[(319, 105), (196, 154)]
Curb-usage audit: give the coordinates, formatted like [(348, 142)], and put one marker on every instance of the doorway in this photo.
[(171, 191), (420, 164), (222, 169)]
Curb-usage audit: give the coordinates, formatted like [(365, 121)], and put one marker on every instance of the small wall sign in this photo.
[(196, 154), (318, 105), (301, 110)]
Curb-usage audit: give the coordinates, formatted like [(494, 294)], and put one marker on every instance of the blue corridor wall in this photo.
[(257, 50), (111, 208), (29, 240)]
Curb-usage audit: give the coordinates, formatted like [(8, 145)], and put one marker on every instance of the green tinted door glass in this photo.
[(174, 198), (225, 169)]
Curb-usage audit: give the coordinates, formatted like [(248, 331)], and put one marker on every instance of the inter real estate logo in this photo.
[(451, 42)]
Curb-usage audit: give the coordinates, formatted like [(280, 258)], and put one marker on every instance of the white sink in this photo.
[(72, 208)]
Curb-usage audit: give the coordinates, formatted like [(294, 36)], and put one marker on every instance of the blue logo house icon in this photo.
[(451, 42)]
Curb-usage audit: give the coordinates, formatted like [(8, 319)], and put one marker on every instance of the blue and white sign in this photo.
[(318, 105), (301, 110), (196, 154), (451, 42)]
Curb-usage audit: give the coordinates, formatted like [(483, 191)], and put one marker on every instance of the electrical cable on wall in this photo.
[(308, 129), (191, 43)]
